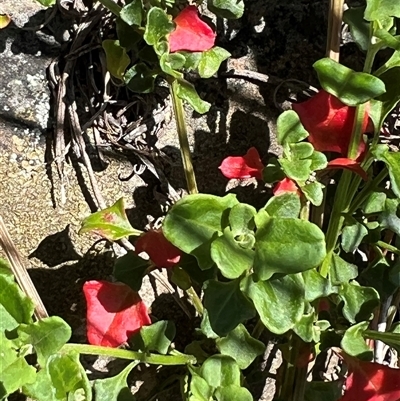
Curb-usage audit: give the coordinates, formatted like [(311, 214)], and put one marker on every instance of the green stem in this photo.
[(258, 329), (347, 188), (364, 193), (300, 384), (113, 7), (183, 138), (196, 301), (317, 212), (153, 359), (305, 210), (387, 246), (374, 335), (356, 135), (336, 220)]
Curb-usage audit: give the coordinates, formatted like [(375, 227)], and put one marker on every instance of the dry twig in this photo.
[(19, 271)]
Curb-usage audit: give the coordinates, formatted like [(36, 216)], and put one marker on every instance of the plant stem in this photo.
[(347, 188), (363, 194), (305, 210), (356, 135), (258, 329), (336, 220), (387, 246), (153, 359), (113, 7), (334, 28), (196, 301), (183, 138)]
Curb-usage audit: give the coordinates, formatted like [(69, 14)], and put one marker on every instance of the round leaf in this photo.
[(230, 257), (226, 306), (117, 59), (287, 246), (194, 221), (241, 346), (351, 87), (279, 302)]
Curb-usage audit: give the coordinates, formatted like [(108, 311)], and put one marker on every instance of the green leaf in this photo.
[(68, 377), (226, 306), (231, 258), (316, 286), (289, 128), (211, 60), (375, 203), (313, 192), (377, 275), (285, 295), (287, 246), (169, 63), (115, 388), (394, 61), (220, 371), (389, 217), (359, 28), (14, 370), (161, 48), (130, 269), (117, 59), (353, 342), (187, 92), (233, 393), (47, 336), (301, 150), (191, 266), (230, 9), (327, 391), (206, 328), (318, 161), (200, 388), (132, 13), (342, 271), (272, 171), (128, 37), (158, 25), (391, 79), (392, 162), (15, 306), (306, 329), (181, 278), (192, 60), (285, 206), (195, 348), (297, 170), (359, 302), (241, 219), (194, 221), (352, 234), (351, 87), (110, 223), (157, 337), (5, 270), (379, 9), (140, 79), (241, 346)]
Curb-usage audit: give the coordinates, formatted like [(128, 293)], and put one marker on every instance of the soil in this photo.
[(280, 39)]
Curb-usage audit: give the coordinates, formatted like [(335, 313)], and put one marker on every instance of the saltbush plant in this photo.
[(316, 267)]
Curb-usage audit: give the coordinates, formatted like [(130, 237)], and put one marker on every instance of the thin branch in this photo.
[(335, 19), (19, 271)]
